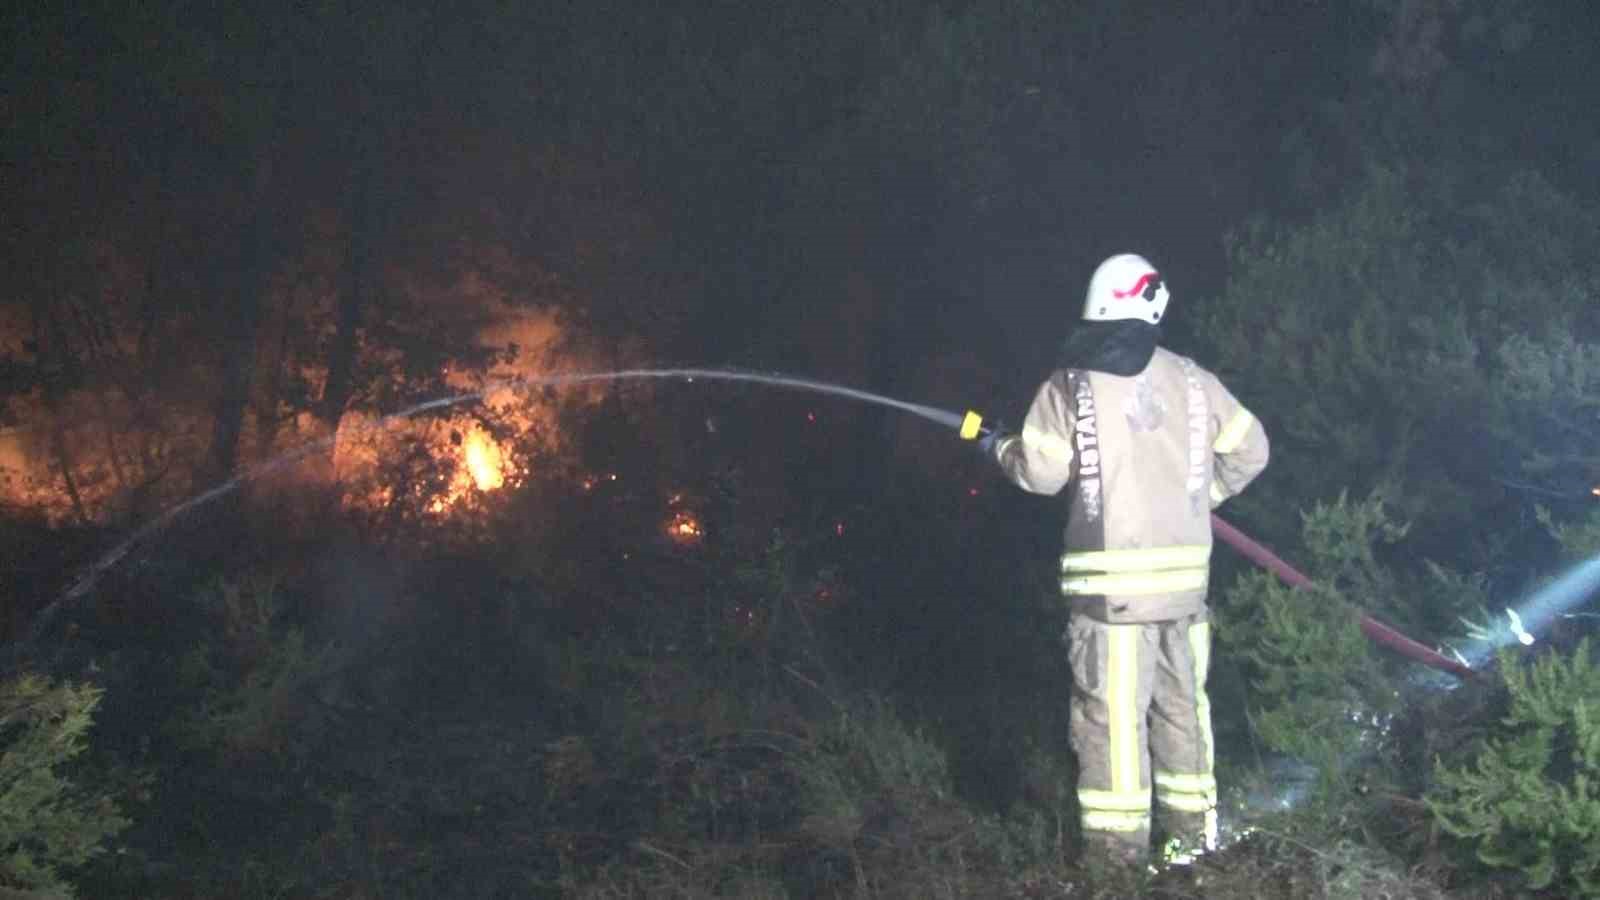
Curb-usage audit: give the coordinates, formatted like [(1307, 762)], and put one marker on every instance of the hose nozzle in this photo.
[(972, 426)]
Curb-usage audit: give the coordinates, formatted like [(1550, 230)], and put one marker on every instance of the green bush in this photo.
[(1578, 538), (1530, 800), (1318, 693), (47, 822), (256, 677), (866, 752), (1546, 404), (1426, 335)]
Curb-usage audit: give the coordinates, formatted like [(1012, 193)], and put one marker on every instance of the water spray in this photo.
[(1554, 601), (969, 426)]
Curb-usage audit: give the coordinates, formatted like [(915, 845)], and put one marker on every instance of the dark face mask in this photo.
[(1115, 348)]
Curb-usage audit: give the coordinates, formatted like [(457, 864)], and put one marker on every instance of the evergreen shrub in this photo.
[(1529, 800), (256, 677), (48, 823), (1318, 692)]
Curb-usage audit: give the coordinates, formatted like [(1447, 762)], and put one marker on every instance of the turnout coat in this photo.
[(1147, 456)]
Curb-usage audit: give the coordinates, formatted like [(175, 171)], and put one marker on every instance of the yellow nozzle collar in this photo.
[(971, 425)]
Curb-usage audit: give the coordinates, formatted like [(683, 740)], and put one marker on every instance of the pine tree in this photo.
[(1530, 800), (48, 823)]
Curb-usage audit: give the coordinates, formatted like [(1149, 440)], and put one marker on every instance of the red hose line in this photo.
[(1376, 631)]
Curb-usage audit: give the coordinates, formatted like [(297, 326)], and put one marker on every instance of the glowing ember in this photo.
[(590, 482), (684, 528)]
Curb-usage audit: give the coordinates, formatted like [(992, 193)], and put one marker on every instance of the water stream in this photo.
[(91, 575)]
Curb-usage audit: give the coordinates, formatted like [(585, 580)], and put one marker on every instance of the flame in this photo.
[(476, 460), (684, 528), (481, 466), (484, 461), (473, 459)]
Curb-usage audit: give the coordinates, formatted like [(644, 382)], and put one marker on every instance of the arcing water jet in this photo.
[(971, 425), (91, 575), (1552, 601)]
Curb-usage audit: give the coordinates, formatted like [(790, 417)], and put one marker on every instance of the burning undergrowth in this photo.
[(580, 700), (597, 667)]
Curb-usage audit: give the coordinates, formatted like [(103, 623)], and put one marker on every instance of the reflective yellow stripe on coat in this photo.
[(1229, 438), (1156, 570)]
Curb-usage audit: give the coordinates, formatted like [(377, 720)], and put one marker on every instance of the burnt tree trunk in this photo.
[(241, 322), (59, 370), (342, 352), (273, 363)]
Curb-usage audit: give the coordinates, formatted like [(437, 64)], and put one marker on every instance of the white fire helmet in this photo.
[(1126, 286)]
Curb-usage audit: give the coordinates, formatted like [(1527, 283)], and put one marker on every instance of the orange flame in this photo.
[(475, 460), (481, 466), (485, 461), (684, 528)]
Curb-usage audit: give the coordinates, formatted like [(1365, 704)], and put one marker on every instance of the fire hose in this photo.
[(1376, 631), (973, 427)]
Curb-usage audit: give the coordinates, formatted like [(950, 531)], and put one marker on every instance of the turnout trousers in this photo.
[(1141, 724)]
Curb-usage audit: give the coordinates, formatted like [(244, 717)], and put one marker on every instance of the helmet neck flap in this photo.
[(1122, 347)]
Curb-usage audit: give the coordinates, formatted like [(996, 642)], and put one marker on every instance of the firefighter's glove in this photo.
[(989, 438), (986, 435)]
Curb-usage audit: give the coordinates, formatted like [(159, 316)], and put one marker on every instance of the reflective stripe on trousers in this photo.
[(1141, 720)]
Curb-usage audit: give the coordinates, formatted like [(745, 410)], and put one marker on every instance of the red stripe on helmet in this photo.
[(1137, 289)]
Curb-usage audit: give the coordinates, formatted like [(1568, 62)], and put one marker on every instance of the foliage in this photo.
[(255, 677), (1579, 538), (584, 708), (1322, 695), (1409, 340), (48, 822), (1332, 851), (1547, 406), (1530, 799), (1318, 698), (879, 792)]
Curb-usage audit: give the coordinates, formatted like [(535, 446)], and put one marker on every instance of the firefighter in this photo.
[(1146, 443)]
